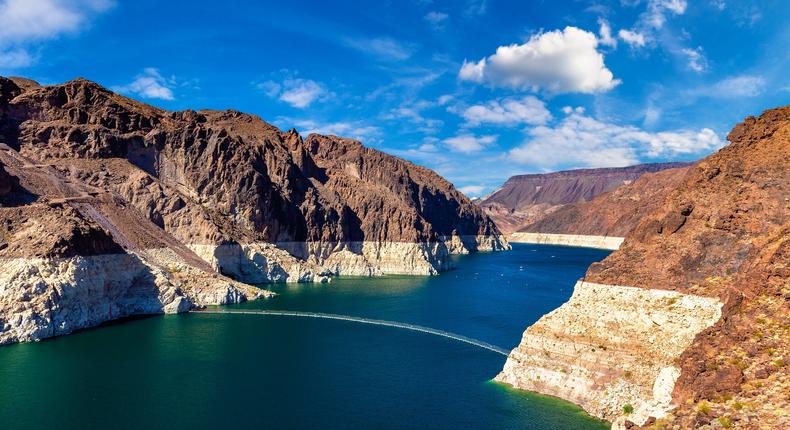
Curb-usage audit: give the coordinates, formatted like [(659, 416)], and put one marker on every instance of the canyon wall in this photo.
[(110, 208), (526, 199), (687, 325)]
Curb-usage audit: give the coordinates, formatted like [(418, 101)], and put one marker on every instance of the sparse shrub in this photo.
[(628, 374), (628, 409), (725, 422), (737, 406), (703, 407)]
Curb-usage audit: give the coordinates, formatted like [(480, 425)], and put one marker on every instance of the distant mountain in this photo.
[(525, 199), (614, 213)]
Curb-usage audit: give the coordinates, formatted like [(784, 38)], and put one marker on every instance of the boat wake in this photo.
[(405, 326)]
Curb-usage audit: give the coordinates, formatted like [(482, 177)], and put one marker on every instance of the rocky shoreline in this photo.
[(580, 240)]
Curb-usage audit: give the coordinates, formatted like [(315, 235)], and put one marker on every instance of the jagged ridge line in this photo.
[(406, 326)]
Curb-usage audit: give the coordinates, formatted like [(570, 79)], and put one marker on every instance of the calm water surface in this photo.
[(224, 371)]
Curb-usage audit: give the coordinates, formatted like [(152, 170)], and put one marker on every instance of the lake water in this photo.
[(253, 371)]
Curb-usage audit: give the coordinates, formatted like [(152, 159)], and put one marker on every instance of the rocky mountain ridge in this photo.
[(526, 199), (613, 213), (715, 253), (184, 199)]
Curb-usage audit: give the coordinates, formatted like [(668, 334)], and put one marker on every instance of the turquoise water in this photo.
[(252, 371)]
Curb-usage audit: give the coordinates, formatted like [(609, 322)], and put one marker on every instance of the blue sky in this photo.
[(478, 90)]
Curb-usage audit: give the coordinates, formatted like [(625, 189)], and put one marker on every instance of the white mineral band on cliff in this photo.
[(611, 346), (586, 241)]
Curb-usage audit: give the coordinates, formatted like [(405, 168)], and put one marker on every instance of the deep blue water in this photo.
[(222, 371)]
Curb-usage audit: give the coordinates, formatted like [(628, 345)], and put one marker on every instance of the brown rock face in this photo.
[(614, 213), (725, 232), (526, 199), (214, 177), (6, 183)]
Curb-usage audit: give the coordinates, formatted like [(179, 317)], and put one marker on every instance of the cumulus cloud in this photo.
[(580, 140), (468, 143), (605, 34), (508, 112), (383, 48), (299, 93), (560, 61), (150, 84), (25, 22), (632, 38)]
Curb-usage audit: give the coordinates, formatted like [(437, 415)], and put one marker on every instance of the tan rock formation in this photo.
[(723, 234)]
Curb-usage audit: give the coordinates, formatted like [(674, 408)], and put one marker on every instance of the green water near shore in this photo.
[(209, 371)]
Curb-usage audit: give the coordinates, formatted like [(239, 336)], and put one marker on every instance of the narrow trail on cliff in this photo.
[(406, 326)]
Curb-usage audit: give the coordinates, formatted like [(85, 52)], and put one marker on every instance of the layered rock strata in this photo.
[(238, 190), (585, 241), (111, 208), (721, 235), (614, 213), (527, 199), (611, 347)]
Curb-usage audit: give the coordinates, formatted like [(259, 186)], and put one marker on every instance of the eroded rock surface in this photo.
[(723, 234), (177, 201), (527, 199)]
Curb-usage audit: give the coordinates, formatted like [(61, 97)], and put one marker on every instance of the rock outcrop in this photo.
[(180, 200), (526, 199), (722, 235), (604, 221)]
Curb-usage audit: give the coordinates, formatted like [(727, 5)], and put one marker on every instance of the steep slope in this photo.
[(711, 263), (69, 260), (525, 199), (609, 216), (232, 187), (111, 207)]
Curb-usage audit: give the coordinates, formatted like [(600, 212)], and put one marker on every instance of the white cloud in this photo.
[(508, 112), (413, 112), (632, 38), (24, 22), (655, 16), (564, 61), (299, 93), (696, 60), (472, 190), (732, 87), (579, 140), (384, 48), (605, 34), (150, 84), (15, 58), (436, 19), (468, 143), (353, 129)]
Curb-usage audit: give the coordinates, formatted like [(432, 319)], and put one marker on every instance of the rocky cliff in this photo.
[(614, 213), (696, 331), (203, 193), (526, 199)]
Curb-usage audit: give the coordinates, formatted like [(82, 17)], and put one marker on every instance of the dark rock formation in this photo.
[(220, 176), (614, 213), (526, 199)]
